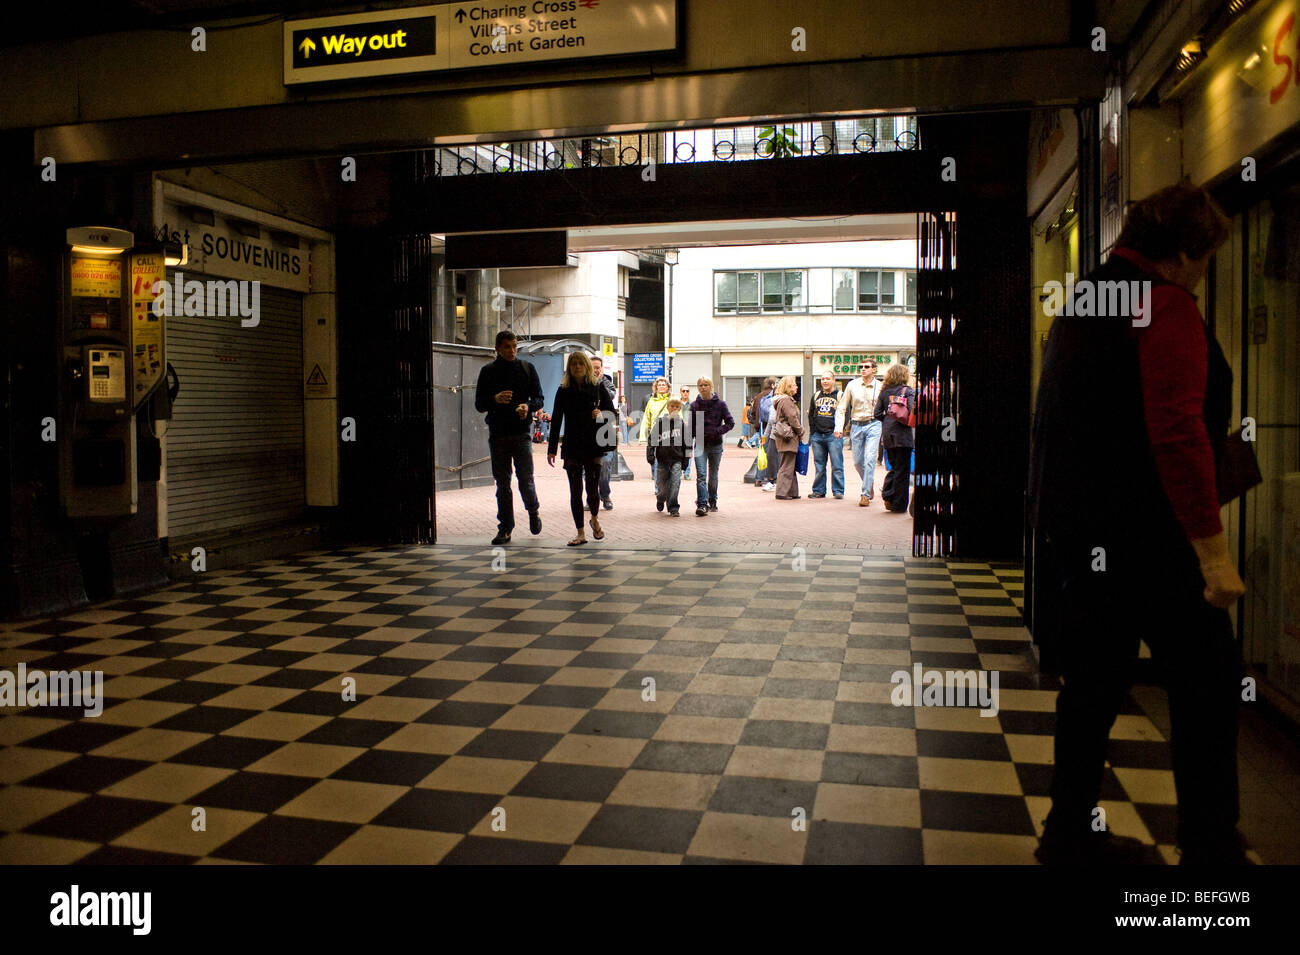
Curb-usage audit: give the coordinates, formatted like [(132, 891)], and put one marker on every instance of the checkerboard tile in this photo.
[(418, 706)]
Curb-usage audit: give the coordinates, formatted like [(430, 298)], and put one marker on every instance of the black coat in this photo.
[(521, 378), (1079, 418), (894, 433), (582, 433)]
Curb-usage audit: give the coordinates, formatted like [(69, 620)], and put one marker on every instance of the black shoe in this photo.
[(534, 523), (701, 511), (1227, 851), (1096, 849), (713, 506), (503, 537), (674, 513), (659, 505), (609, 505)]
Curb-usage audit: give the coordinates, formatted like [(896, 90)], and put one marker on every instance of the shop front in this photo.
[(1241, 137)]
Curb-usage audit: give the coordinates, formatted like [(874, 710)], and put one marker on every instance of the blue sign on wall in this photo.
[(647, 366)]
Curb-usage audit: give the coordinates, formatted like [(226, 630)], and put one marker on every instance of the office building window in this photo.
[(873, 290), (748, 292), (724, 291), (844, 290), (773, 299), (794, 292)]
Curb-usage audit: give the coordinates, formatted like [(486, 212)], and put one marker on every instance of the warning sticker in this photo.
[(316, 383)]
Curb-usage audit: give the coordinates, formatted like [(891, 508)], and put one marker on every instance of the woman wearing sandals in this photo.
[(584, 407)]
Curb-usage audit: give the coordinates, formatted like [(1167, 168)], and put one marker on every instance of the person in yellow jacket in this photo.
[(653, 409)]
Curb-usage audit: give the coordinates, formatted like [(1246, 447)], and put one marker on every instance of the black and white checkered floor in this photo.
[(502, 715)]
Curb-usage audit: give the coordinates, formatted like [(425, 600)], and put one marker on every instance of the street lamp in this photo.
[(670, 259)]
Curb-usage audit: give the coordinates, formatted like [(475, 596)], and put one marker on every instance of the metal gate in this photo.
[(386, 371), (461, 448), (235, 442), (938, 328)]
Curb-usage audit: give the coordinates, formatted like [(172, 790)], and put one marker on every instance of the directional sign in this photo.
[(457, 36), (408, 40), (546, 30)]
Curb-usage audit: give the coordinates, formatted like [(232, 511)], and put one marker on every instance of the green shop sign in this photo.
[(848, 364)]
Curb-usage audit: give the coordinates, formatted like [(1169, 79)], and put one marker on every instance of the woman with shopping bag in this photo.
[(787, 432)]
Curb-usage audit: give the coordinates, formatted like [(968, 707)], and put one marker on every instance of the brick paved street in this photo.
[(746, 519)]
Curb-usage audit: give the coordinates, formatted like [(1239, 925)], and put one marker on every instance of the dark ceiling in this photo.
[(58, 19)]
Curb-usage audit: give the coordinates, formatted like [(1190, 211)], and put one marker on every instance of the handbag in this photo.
[(801, 458), (898, 408), (762, 458), (781, 428), (1238, 471)]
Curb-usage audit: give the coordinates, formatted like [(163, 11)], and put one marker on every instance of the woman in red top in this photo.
[(1123, 486)]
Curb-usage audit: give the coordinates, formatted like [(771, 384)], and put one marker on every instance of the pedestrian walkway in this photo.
[(747, 519), (600, 706)]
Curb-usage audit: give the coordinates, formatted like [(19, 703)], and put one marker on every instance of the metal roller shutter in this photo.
[(235, 443)]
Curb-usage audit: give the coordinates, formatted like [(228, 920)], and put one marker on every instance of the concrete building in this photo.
[(741, 313)]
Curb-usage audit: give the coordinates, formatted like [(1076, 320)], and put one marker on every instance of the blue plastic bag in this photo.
[(801, 458)]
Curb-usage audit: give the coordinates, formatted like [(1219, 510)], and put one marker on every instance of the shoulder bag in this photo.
[(780, 427)]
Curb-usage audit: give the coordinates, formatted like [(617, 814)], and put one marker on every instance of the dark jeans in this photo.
[(606, 466), (773, 460), (896, 491), (516, 449), (1150, 590), (707, 459), (580, 473)]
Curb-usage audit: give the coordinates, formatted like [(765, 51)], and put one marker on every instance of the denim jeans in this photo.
[(864, 439), (507, 450), (668, 481), (713, 457), (824, 443), (606, 466)]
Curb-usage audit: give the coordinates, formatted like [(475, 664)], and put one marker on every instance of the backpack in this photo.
[(765, 409)]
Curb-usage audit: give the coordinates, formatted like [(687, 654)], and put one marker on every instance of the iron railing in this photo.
[(808, 138)]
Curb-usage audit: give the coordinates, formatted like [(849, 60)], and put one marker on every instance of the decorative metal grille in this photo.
[(938, 472), (871, 134)]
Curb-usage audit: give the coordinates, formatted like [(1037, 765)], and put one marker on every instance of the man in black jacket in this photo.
[(509, 392), (607, 465)]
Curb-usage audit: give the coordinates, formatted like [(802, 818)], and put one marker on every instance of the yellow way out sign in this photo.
[(364, 44)]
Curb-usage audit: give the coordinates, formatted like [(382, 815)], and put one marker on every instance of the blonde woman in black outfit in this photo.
[(584, 407), (896, 437)]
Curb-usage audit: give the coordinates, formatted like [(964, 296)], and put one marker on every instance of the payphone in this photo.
[(111, 360)]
